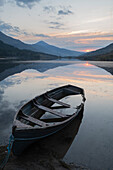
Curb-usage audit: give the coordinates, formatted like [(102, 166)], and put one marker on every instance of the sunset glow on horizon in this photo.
[(88, 50)]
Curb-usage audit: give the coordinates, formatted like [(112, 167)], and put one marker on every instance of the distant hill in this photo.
[(42, 46), (15, 42), (7, 51), (103, 54)]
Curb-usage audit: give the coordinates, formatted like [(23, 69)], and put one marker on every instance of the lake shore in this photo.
[(42, 161)]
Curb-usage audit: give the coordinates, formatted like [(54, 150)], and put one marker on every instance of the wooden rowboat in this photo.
[(29, 124)]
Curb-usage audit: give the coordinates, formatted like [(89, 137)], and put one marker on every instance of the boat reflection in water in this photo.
[(57, 144)]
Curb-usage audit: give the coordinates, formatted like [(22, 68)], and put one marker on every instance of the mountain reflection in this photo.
[(8, 68)]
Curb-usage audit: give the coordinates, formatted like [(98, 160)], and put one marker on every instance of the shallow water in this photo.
[(93, 144)]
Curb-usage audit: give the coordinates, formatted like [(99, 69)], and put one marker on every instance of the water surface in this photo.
[(93, 144)]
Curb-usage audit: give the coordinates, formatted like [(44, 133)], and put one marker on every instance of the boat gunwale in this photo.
[(50, 124), (68, 120)]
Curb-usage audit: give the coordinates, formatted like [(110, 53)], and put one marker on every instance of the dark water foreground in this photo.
[(48, 153), (92, 146)]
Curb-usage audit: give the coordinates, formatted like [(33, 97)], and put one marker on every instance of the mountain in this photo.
[(15, 42), (42, 46), (103, 54), (7, 51), (101, 51)]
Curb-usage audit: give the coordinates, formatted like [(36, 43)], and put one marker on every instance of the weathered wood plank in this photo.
[(49, 110), (57, 101), (33, 120), (73, 91)]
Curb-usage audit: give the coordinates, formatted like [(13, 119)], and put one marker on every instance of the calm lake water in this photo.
[(93, 145)]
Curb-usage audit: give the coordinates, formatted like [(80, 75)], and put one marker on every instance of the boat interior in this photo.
[(33, 112)]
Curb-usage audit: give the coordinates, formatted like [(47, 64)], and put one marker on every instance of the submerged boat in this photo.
[(30, 124)]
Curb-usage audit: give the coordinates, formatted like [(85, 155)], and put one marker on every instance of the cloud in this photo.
[(41, 35), (64, 12), (16, 31), (98, 19), (82, 41), (21, 3), (26, 3), (56, 25), (8, 27), (49, 9), (2, 2)]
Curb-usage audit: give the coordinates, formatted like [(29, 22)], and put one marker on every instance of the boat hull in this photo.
[(24, 138)]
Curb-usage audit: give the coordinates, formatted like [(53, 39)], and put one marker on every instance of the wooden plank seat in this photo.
[(57, 101), (39, 106), (33, 120), (73, 91)]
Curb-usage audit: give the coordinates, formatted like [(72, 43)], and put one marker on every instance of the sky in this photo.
[(80, 25)]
